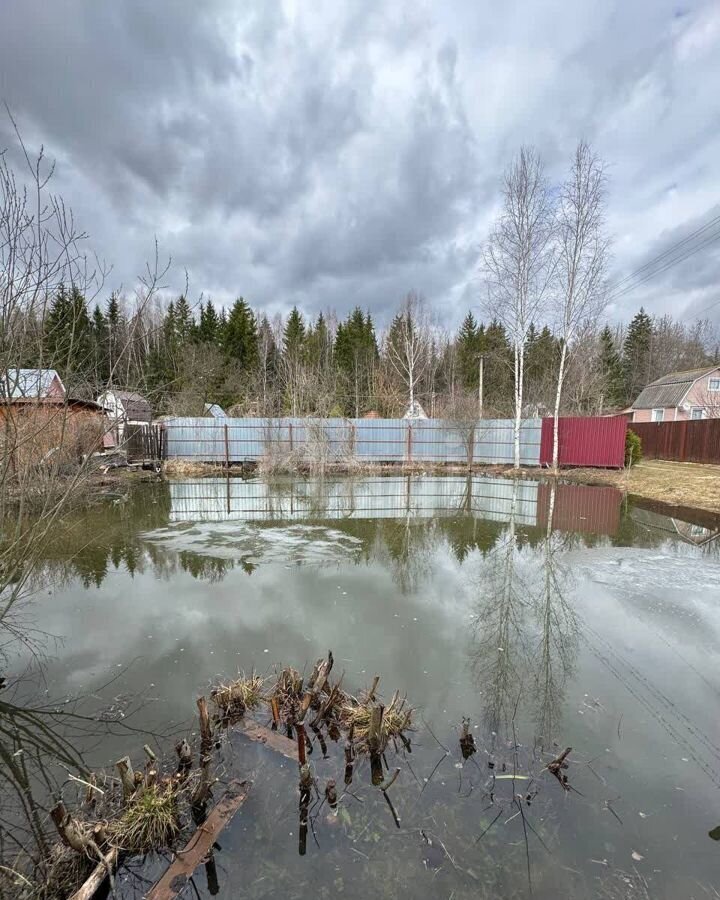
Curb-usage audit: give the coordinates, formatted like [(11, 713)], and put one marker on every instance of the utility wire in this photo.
[(667, 259)]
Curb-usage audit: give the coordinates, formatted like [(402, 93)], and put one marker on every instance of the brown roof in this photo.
[(669, 390), (137, 408)]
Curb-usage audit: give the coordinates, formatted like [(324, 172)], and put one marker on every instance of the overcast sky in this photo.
[(342, 152)]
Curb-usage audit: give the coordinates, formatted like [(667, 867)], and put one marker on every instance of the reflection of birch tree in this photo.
[(500, 650), (557, 625)]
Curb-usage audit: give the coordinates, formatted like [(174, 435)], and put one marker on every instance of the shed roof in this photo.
[(215, 410), (34, 384), (137, 408), (669, 390)]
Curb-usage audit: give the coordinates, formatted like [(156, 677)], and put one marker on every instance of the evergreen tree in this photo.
[(101, 367), (114, 324), (470, 346), (319, 345), (612, 369), (636, 355), (239, 336), (294, 335), (209, 329), (184, 321), (68, 340), (355, 354)]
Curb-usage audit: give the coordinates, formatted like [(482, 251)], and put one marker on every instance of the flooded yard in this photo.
[(550, 617)]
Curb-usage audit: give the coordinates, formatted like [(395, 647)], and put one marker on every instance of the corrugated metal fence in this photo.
[(690, 441), (585, 441), (377, 440)]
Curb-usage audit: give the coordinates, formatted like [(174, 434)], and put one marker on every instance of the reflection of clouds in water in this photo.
[(677, 590), (240, 540)]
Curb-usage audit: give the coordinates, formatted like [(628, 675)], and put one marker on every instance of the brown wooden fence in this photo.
[(144, 443), (690, 441)]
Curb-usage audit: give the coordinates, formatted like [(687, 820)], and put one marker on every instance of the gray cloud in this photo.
[(347, 151)]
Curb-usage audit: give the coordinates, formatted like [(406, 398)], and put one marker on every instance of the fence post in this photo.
[(352, 439), (290, 432), (409, 442), (227, 450)]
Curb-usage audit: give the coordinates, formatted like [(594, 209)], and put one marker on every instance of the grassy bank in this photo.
[(674, 483)]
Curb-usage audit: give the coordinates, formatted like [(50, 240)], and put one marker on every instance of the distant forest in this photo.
[(184, 356)]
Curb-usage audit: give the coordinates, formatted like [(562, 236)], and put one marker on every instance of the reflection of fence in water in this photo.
[(218, 499)]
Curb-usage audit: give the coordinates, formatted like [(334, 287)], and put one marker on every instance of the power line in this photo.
[(668, 265), (667, 259), (669, 250)]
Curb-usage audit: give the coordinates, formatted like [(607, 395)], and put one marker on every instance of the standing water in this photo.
[(550, 617)]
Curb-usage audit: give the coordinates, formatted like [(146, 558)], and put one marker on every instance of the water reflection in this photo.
[(525, 636)]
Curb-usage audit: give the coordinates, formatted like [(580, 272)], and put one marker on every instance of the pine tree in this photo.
[(319, 345), (239, 336), (636, 355), (612, 369)]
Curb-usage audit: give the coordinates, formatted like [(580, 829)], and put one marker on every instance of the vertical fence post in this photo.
[(290, 432), (409, 442), (227, 451), (352, 439)]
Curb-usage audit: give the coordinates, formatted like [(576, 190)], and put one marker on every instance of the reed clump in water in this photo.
[(234, 698), (150, 820), (373, 726)]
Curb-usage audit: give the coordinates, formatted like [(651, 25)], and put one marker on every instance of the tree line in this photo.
[(183, 357)]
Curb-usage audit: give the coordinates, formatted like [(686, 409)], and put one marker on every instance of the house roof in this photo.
[(28, 383), (669, 390), (137, 408)]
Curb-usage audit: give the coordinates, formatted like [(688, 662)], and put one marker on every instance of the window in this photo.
[(697, 412), (714, 384), (658, 415)]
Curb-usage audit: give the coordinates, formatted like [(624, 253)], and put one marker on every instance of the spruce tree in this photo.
[(209, 329), (294, 335), (469, 348), (612, 369), (240, 338), (636, 354)]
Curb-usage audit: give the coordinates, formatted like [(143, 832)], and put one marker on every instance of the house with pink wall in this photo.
[(694, 394)]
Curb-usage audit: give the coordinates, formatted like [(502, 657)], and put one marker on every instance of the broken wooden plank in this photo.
[(177, 875), (272, 739), (97, 877)]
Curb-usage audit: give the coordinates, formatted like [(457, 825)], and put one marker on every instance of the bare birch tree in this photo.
[(409, 345), (582, 256), (519, 262)]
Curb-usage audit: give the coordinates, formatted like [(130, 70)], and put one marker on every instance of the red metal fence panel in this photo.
[(688, 441), (590, 441)]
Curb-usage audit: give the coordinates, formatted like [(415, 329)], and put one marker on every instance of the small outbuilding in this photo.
[(124, 408)]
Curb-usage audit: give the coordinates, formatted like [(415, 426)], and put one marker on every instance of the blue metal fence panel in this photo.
[(378, 440)]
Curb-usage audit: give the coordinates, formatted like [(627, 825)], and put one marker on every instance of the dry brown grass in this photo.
[(186, 468), (238, 696), (356, 717), (678, 484)]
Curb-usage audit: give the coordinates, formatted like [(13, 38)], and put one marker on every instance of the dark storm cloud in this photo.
[(344, 152)]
